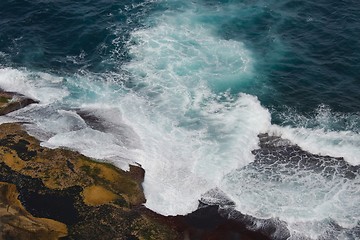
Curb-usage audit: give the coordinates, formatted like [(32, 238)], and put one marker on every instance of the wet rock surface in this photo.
[(234, 223), (281, 163), (278, 154), (278, 162), (10, 102), (213, 222)]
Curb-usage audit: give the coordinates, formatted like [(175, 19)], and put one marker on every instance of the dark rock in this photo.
[(278, 154), (209, 223), (17, 223), (10, 102)]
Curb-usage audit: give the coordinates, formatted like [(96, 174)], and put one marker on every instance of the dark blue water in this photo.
[(45, 34), (309, 50), (186, 86), (308, 53)]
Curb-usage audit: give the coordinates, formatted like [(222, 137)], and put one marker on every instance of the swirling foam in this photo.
[(176, 117)]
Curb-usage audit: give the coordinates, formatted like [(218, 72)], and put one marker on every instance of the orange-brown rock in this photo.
[(17, 223), (60, 168)]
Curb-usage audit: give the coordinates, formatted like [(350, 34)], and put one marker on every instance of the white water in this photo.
[(189, 133), (344, 144), (39, 86), (304, 199), (325, 133)]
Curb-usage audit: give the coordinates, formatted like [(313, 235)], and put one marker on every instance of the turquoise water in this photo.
[(185, 87)]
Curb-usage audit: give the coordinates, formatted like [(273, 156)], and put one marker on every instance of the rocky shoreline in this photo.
[(10, 101), (61, 194)]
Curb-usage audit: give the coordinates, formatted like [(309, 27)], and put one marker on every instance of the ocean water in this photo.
[(184, 88)]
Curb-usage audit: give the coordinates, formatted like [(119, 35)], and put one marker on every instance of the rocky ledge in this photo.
[(84, 198), (10, 102), (61, 194)]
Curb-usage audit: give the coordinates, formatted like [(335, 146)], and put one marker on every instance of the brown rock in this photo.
[(95, 200), (10, 102), (17, 223)]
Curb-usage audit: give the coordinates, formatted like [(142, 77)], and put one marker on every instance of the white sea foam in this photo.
[(325, 132), (185, 145), (179, 52), (183, 163), (193, 131), (344, 144), (180, 122), (6, 119), (40, 86), (306, 200)]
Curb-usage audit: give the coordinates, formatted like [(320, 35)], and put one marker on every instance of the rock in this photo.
[(57, 193), (10, 102), (209, 223), (93, 199), (60, 168), (17, 223), (96, 200)]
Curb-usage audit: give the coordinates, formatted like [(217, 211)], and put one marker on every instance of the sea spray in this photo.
[(184, 88)]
